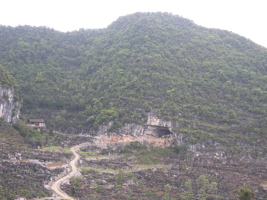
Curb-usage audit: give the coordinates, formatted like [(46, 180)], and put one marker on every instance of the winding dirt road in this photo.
[(56, 185)]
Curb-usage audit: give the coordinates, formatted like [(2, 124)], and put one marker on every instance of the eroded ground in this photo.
[(125, 167), (139, 170)]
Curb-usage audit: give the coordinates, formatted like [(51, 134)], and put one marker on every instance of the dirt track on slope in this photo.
[(56, 185)]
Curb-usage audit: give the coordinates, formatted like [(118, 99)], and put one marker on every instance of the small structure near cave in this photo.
[(157, 127), (36, 122)]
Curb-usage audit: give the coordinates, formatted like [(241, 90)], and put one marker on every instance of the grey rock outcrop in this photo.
[(153, 120), (9, 107), (128, 129), (155, 127)]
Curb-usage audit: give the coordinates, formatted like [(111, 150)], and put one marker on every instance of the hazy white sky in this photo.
[(244, 17)]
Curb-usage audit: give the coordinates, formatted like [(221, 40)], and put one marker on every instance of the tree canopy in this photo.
[(6, 80), (140, 63)]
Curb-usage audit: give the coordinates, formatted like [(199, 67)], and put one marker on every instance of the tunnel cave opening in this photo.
[(156, 131)]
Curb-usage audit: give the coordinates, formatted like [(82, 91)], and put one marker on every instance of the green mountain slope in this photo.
[(6, 80), (141, 62)]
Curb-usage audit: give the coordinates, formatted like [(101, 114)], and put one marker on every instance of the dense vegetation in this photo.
[(6, 80), (140, 63)]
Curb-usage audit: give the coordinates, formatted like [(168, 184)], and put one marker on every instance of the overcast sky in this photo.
[(244, 17)]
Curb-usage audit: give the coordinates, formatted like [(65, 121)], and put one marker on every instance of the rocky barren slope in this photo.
[(24, 168), (129, 168)]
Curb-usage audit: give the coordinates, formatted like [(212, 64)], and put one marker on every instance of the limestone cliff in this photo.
[(153, 120), (154, 127), (9, 107), (128, 129)]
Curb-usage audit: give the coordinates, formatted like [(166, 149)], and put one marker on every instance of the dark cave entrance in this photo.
[(157, 131)]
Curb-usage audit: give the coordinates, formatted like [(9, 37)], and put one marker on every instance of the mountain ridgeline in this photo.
[(141, 63)]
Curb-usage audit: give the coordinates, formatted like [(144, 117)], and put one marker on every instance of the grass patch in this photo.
[(95, 169), (86, 152), (123, 170), (148, 166), (51, 148), (67, 150), (102, 169), (98, 156), (152, 156), (86, 168), (56, 148)]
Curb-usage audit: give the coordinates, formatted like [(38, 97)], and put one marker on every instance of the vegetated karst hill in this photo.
[(141, 62)]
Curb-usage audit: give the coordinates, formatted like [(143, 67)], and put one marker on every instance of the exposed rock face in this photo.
[(115, 140), (155, 127), (9, 108), (157, 131), (128, 129), (155, 121), (132, 129)]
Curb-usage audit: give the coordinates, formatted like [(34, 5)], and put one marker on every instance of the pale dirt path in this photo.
[(101, 142), (56, 185)]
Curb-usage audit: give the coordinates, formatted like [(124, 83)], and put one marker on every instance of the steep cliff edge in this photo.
[(9, 107), (9, 104), (154, 126)]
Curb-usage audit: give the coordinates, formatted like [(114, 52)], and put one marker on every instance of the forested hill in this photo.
[(6, 80), (141, 62)]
